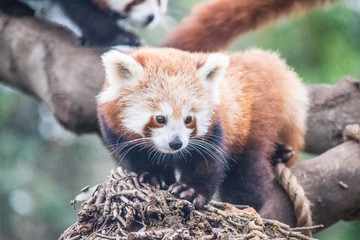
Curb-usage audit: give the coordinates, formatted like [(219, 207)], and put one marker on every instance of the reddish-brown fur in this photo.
[(262, 102), (259, 85), (213, 25), (265, 84)]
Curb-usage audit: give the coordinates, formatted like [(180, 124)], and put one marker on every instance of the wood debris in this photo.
[(123, 208)]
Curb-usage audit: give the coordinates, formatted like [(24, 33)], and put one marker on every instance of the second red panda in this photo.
[(215, 117), (214, 24)]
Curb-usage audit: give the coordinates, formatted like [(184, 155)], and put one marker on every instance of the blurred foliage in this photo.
[(43, 167), (322, 45)]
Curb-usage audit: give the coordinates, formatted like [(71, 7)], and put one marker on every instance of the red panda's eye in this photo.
[(160, 119), (188, 119)]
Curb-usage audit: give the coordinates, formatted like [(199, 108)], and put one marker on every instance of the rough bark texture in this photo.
[(331, 109), (47, 62)]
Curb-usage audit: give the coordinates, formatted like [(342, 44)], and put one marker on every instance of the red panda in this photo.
[(214, 117), (138, 12), (96, 21), (213, 25)]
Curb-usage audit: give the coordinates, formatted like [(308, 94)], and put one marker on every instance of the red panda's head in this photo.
[(165, 95), (139, 12)]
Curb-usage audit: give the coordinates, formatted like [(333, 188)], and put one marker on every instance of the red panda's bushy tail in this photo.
[(213, 25)]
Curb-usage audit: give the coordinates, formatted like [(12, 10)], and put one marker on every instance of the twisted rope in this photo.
[(296, 192), (297, 196), (352, 132)]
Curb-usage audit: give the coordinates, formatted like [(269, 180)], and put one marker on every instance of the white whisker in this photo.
[(212, 147)]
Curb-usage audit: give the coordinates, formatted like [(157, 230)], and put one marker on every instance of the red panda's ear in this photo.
[(214, 67), (121, 68)]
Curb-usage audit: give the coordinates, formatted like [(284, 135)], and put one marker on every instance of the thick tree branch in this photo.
[(331, 182), (46, 61), (331, 109)]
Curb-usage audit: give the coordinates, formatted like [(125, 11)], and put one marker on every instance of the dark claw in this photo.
[(154, 180), (164, 185), (283, 153), (199, 201), (184, 191), (188, 194), (142, 177), (176, 188)]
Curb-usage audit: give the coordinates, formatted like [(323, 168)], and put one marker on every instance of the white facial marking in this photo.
[(140, 13), (174, 128), (203, 121), (136, 117), (186, 111), (163, 6), (166, 109), (118, 6)]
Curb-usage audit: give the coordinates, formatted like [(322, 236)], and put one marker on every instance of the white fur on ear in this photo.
[(214, 67), (107, 95), (120, 68), (213, 71)]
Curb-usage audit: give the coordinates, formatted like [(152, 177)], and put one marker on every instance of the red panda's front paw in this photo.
[(184, 191), (156, 181)]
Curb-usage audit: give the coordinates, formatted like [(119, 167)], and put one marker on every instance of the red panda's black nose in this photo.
[(175, 144), (150, 18)]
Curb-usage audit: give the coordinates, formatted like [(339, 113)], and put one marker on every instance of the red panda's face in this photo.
[(140, 12), (163, 100)]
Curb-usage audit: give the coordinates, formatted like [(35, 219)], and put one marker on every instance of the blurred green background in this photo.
[(43, 167)]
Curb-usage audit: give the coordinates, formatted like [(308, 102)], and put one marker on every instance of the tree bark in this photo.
[(332, 107), (47, 62)]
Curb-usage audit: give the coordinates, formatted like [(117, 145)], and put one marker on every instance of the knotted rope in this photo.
[(352, 132), (296, 192), (297, 196)]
